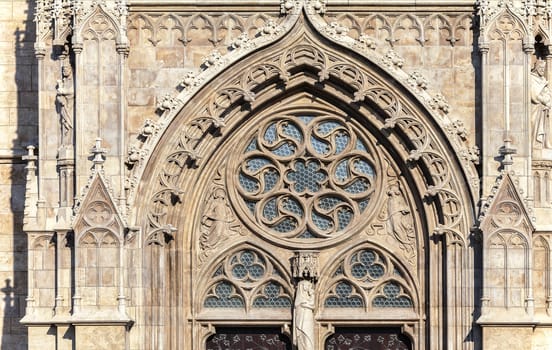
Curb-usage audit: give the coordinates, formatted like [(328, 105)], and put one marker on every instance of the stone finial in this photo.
[(30, 157), (304, 265), (98, 153), (506, 151)]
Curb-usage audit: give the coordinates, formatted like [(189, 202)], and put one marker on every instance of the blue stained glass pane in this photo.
[(306, 235), (284, 150), (252, 146), (321, 223), (218, 272), (293, 206), (341, 142), (343, 297), (292, 131), (272, 290), (363, 264), (248, 183), (306, 176), (342, 171), (271, 179), (247, 258), (367, 257), (391, 297), (251, 206), (376, 271), (256, 271), (363, 204), (359, 271), (328, 203), (272, 297), (319, 146), (364, 167), (255, 164), (239, 272), (344, 217), (306, 119), (326, 127), (223, 297), (270, 210), (360, 146), (270, 134), (286, 225), (357, 186)]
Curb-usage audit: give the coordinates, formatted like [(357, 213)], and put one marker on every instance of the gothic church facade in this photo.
[(301, 174)]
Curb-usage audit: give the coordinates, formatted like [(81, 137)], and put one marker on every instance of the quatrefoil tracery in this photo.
[(305, 176)]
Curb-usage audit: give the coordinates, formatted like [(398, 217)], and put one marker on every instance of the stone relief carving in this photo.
[(400, 224), (218, 222), (65, 96), (305, 265), (541, 98)]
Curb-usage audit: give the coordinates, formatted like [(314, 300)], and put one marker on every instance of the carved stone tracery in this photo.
[(306, 176)]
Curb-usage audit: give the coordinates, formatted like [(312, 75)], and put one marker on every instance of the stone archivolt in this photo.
[(273, 88)]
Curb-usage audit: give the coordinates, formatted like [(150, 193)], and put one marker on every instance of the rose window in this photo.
[(306, 176)]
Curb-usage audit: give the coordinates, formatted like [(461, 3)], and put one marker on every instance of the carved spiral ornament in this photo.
[(306, 176)]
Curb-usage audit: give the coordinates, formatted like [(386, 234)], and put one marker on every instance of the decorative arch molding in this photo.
[(288, 68), (426, 144), (435, 107), (108, 19)]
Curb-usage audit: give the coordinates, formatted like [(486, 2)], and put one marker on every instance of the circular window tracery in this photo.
[(306, 176)]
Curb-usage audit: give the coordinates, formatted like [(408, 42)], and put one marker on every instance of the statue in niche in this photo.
[(399, 220), (65, 99), (541, 99), (217, 221), (303, 316)]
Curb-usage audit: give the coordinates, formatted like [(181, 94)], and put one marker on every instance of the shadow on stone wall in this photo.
[(476, 335), (24, 119)]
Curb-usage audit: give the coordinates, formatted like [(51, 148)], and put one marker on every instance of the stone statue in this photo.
[(64, 98), (541, 99), (303, 316), (400, 223)]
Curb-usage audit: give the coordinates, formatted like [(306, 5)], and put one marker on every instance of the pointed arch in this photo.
[(301, 76)]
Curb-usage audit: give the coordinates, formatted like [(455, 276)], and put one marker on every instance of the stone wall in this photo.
[(18, 128)]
